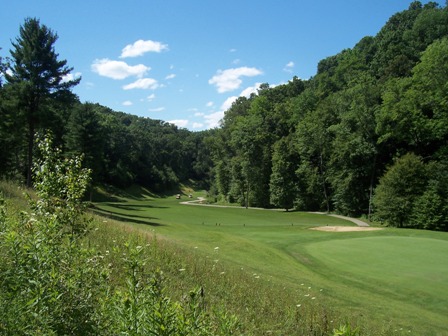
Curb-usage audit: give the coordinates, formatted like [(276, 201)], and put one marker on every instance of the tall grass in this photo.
[(54, 281)]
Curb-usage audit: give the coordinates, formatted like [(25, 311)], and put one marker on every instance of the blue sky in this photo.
[(186, 61)]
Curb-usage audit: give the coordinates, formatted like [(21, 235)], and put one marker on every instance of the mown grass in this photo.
[(277, 276), (268, 265)]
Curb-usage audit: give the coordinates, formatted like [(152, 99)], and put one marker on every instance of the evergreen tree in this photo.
[(38, 77)]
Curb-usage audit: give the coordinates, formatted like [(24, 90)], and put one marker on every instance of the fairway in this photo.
[(392, 276)]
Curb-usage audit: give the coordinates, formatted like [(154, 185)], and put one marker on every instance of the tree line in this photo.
[(367, 135), (119, 148)]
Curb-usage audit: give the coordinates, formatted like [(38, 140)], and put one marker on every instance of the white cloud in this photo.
[(232, 50), (228, 103), (170, 76), (151, 97), (213, 120), (229, 80), (288, 67), (140, 47), (197, 125), (117, 69), (179, 122), (142, 83), (127, 103), (199, 114), (69, 77), (158, 109), (209, 104), (249, 90)]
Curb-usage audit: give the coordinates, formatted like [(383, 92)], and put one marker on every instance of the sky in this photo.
[(186, 61)]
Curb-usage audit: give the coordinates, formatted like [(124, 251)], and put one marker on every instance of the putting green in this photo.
[(393, 266)]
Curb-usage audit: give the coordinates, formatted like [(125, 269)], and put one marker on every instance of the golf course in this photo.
[(395, 279)]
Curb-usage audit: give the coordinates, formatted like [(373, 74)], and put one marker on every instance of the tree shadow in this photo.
[(145, 220), (134, 207)]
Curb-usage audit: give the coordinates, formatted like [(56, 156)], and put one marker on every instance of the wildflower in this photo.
[(222, 273), (216, 248), (257, 277), (301, 284), (181, 269), (313, 298), (195, 247), (299, 305), (306, 295)]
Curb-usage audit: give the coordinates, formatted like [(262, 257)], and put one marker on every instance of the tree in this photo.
[(283, 185), (85, 135), (399, 188), (38, 77)]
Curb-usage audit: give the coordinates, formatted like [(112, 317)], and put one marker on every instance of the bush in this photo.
[(52, 284)]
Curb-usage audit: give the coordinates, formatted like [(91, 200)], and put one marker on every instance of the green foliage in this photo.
[(398, 189), (36, 78), (46, 288), (346, 330), (52, 284), (284, 164)]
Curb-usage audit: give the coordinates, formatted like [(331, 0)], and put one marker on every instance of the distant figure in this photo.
[(178, 196), (190, 196)]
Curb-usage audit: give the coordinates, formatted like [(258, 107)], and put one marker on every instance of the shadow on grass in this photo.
[(145, 220), (134, 207)]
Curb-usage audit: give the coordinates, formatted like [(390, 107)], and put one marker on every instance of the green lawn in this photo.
[(393, 276)]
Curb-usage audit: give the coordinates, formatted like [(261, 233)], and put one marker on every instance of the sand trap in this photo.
[(345, 228)]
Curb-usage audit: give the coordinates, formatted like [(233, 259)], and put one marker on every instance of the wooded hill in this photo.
[(367, 135)]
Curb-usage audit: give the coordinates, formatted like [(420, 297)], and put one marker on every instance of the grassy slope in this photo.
[(399, 276)]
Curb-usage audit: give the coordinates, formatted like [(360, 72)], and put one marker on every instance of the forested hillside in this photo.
[(367, 135), (121, 149)]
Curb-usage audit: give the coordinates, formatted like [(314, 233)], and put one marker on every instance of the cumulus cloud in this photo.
[(249, 90), (127, 103), (197, 125), (209, 104), (179, 122), (170, 76), (142, 83), (288, 67), (228, 103), (230, 79), (140, 47), (117, 69), (158, 109), (69, 77), (213, 120)]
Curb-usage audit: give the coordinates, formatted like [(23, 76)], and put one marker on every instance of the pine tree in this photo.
[(38, 77)]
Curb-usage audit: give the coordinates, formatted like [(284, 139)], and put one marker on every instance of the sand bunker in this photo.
[(345, 228)]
